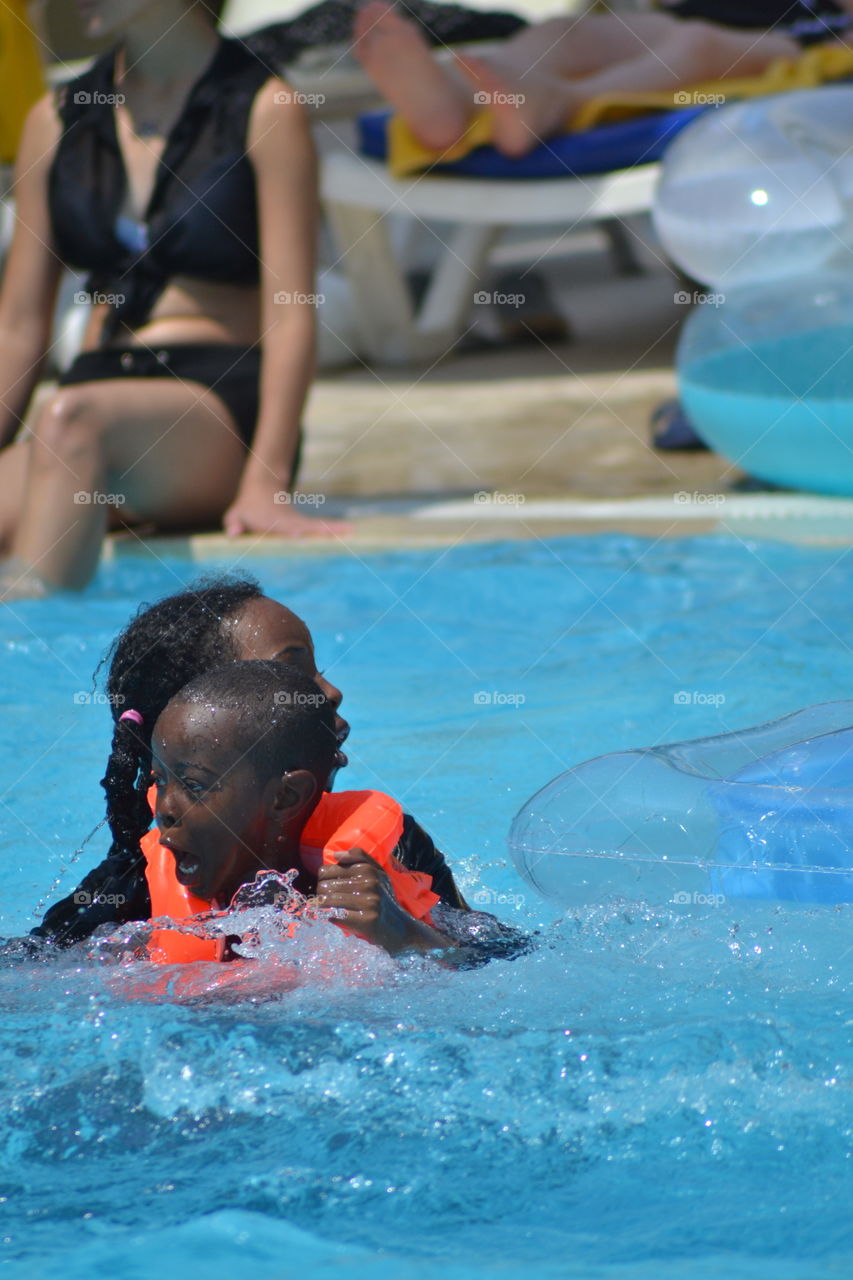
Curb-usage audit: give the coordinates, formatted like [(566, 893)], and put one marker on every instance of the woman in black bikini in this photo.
[(179, 172)]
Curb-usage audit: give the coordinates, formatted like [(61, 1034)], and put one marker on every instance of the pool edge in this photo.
[(384, 525)]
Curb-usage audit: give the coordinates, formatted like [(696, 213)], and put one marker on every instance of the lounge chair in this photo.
[(599, 176)]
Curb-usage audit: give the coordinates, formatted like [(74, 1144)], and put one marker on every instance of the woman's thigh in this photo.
[(171, 449)]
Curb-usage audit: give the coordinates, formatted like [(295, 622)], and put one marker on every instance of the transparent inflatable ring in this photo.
[(765, 814)]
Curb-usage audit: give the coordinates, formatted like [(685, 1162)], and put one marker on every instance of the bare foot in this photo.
[(525, 110), (436, 106)]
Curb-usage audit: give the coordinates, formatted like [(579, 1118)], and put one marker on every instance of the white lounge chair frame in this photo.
[(359, 194)]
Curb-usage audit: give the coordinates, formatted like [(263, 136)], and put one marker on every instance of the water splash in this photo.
[(279, 937)]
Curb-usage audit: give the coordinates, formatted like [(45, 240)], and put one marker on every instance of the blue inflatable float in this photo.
[(765, 813)]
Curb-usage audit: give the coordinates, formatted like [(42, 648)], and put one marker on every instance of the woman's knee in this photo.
[(69, 430)]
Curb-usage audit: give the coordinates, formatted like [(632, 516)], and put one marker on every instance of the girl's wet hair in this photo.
[(282, 721), (164, 647)]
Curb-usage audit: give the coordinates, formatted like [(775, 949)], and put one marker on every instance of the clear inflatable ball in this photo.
[(766, 377), (760, 190)]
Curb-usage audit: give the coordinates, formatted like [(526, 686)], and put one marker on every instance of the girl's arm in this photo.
[(32, 273), (282, 152)]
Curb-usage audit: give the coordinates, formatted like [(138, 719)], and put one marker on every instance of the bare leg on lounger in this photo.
[(540, 77)]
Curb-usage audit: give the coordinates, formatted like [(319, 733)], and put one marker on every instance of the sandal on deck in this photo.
[(672, 429)]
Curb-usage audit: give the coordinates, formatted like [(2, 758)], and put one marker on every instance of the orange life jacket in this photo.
[(342, 820)]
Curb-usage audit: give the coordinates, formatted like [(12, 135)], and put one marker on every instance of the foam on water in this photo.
[(646, 1095)]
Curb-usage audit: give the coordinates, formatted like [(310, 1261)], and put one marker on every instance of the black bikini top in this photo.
[(201, 220)]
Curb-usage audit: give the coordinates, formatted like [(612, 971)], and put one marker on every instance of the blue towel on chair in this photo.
[(640, 140)]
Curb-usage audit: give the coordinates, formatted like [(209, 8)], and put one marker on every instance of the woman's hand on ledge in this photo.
[(261, 507)]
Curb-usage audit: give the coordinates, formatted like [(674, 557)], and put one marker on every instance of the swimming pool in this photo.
[(644, 1096)]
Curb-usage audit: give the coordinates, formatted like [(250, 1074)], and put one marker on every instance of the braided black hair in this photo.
[(165, 645)]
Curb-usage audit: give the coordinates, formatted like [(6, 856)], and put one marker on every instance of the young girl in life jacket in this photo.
[(240, 759)]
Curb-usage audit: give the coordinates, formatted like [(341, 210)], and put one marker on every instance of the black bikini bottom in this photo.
[(232, 372)]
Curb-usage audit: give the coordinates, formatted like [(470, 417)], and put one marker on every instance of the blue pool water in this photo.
[(644, 1096)]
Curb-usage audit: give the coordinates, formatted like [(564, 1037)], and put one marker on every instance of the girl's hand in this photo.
[(259, 507), (361, 891)]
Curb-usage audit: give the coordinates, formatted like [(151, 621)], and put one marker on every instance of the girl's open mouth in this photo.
[(187, 867)]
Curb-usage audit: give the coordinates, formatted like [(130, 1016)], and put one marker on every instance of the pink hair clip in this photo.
[(135, 716)]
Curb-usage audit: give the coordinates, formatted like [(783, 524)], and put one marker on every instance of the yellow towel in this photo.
[(822, 62), (21, 79)]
